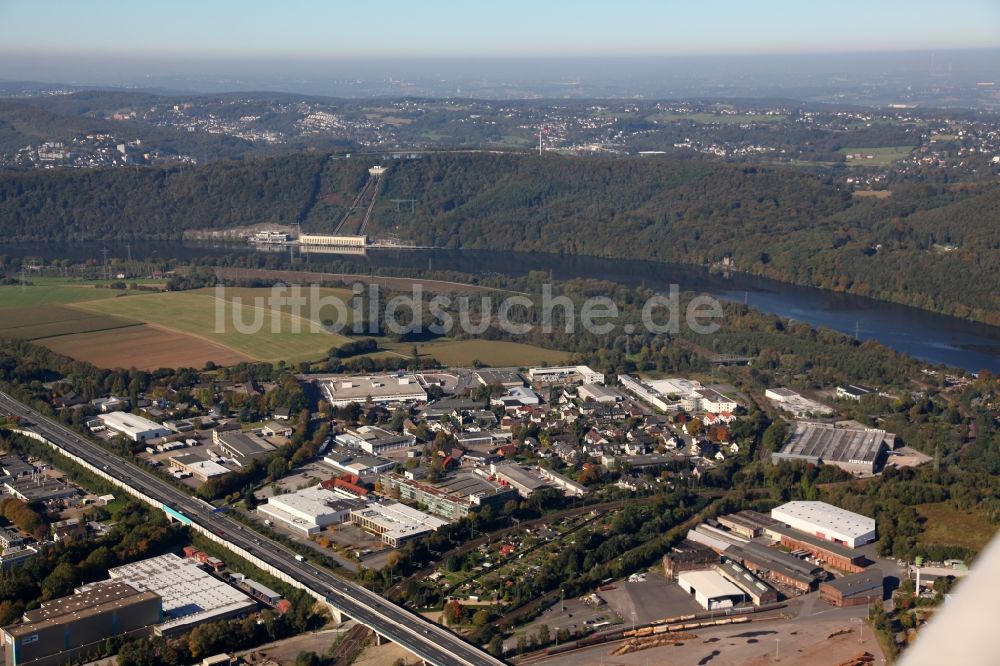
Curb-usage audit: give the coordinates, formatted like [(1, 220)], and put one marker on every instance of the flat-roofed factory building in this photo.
[(309, 510), (599, 393), (136, 428), (710, 589), (62, 630), (452, 498), (191, 596), (826, 521), (243, 447), (395, 522), (379, 389), (197, 466), (859, 451), (567, 374), (374, 440)]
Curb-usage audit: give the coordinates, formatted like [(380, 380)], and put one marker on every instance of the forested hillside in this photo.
[(936, 247)]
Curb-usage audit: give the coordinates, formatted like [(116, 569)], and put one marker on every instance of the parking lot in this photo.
[(654, 598)]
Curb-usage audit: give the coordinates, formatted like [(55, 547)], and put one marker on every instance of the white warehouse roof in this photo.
[(711, 584), (131, 424), (825, 517), (190, 594)]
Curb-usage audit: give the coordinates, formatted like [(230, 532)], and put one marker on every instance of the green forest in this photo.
[(931, 246)]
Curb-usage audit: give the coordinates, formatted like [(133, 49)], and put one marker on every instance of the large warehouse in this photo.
[(827, 522), (191, 596), (859, 451), (395, 522), (136, 428), (710, 589), (61, 630), (309, 510), (379, 389)]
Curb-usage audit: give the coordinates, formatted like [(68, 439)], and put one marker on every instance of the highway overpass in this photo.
[(429, 641)]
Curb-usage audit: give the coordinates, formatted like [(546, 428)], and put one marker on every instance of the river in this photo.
[(925, 335)]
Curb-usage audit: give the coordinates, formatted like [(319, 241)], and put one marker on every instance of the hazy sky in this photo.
[(436, 28)]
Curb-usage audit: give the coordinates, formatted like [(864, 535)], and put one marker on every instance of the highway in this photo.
[(431, 642)]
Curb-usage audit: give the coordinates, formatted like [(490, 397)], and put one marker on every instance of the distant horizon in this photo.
[(800, 76), (449, 28)]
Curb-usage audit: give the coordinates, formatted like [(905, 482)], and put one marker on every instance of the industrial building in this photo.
[(710, 589), (39, 488), (688, 556), (599, 393), (573, 374), (854, 590), (378, 389), (794, 403), (395, 522), (777, 566), (10, 538), (677, 393), (568, 486), (13, 466), (523, 481), (710, 400), (374, 440), (17, 555), (830, 552), (62, 630), (452, 498), (353, 462), (854, 391), (258, 591), (648, 394), (827, 522), (517, 396), (505, 377), (197, 466), (191, 596), (759, 592), (136, 428), (309, 510), (243, 447), (859, 451), (717, 539), (327, 240), (748, 524)]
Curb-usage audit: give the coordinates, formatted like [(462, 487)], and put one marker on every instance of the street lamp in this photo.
[(861, 628)]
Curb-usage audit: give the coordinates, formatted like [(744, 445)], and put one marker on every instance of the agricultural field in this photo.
[(46, 321), (15, 296), (142, 346), (876, 156), (872, 194), (323, 300), (245, 328), (946, 525), (496, 353)]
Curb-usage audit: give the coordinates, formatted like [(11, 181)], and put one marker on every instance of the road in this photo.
[(429, 641)]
